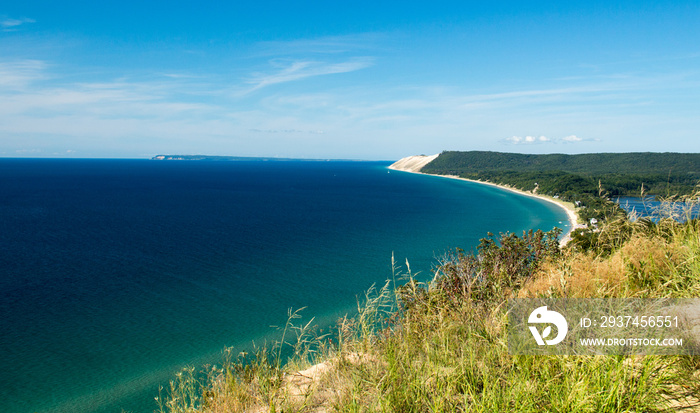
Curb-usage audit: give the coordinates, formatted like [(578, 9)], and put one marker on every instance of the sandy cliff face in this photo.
[(412, 163)]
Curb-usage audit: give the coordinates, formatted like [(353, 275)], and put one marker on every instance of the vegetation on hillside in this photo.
[(591, 181), (441, 346), (571, 176)]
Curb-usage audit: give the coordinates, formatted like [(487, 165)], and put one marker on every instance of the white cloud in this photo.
[(527, 140), (8, 24), (17, 75), (571, 138), (303, 69), (42, 105)]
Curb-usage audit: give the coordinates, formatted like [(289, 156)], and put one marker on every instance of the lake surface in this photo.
[(114, 274), (650, 207)]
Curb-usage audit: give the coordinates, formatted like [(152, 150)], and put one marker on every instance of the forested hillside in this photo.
[(618, 174)]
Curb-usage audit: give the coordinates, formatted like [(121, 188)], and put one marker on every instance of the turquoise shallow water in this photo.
[(117, 273)]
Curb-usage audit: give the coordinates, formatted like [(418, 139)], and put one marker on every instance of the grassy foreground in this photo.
[(442, 346)]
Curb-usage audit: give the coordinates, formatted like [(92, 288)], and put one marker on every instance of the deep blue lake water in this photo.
[(650, 207), (114, 274)]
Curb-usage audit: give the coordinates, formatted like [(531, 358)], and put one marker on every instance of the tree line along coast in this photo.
[(590, 181)]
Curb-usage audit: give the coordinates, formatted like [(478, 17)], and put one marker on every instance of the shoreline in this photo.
[(303, 379), (413, 164)]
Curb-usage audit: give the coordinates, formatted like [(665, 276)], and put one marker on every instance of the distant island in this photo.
[(214, 158), (237, 158)]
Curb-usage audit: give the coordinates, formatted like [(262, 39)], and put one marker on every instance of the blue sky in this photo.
[(362, 80)]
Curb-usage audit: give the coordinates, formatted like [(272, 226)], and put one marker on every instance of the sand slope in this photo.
[(412, 163)]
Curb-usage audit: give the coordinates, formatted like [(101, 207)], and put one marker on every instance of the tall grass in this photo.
[(441, 346)]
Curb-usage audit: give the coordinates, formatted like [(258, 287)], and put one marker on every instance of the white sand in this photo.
[(414, 164)]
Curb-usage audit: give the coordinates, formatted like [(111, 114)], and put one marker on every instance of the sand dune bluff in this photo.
[(413, 163)]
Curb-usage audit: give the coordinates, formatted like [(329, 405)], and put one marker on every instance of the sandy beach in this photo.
[(414, 164)]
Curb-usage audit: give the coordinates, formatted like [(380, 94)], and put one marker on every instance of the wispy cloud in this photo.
[(181, 76), (8, 24), (298, 70), (33, 102), (352, 43), (18, 74), (531, 140), (315, 132), (42, 105)]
